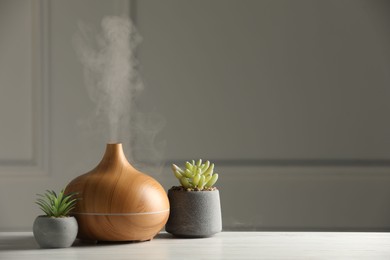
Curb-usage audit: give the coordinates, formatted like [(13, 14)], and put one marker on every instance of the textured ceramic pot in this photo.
[(55, 232), (194, 213), (118, 202)]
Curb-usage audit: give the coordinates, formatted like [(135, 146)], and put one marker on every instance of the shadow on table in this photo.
[(160, 236), (26, 242), (165, 235), (86, 243)]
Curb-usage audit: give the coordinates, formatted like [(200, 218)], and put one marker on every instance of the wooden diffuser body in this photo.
[(117, 202)]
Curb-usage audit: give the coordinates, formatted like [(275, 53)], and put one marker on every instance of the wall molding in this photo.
[(38, 165), (296, 162)]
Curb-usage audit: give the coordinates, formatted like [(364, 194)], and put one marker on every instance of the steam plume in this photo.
[(110, 72)]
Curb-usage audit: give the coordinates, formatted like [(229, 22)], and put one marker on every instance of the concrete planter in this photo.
[(55, 232), (194, 213)]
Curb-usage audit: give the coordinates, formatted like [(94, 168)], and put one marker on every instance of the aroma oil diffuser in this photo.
[(117, 202)]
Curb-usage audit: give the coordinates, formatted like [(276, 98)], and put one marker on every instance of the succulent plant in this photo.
[(56, 206), (196, 175)]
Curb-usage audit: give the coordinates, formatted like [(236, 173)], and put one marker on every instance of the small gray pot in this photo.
[(194, 213), (55, 232)]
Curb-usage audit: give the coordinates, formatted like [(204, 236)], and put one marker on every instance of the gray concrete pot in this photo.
[(194, 213), (55, 232)]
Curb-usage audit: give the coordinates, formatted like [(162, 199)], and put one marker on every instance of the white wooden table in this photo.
[(226, 245)]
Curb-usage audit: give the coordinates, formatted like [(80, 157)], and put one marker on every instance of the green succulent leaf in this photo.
[(177, 168), (205, 166), (212, 181), (189, 166), (210, 170), (199, 163), (54, 205), (201, 182), (196, 179), (189, 174), (185, 183), (177, 174), (195, 174)]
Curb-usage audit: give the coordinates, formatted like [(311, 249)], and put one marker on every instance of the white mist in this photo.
[(111, 72)]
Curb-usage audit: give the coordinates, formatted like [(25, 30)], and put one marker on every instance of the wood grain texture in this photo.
[(117, 202)]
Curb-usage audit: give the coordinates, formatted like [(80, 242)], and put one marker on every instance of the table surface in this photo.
[(225, 245)]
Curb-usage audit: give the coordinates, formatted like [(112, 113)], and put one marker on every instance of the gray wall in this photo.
[(289, 98), (269, 80)]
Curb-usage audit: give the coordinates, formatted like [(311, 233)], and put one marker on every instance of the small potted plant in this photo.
[(195, 209), (56, 229)]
